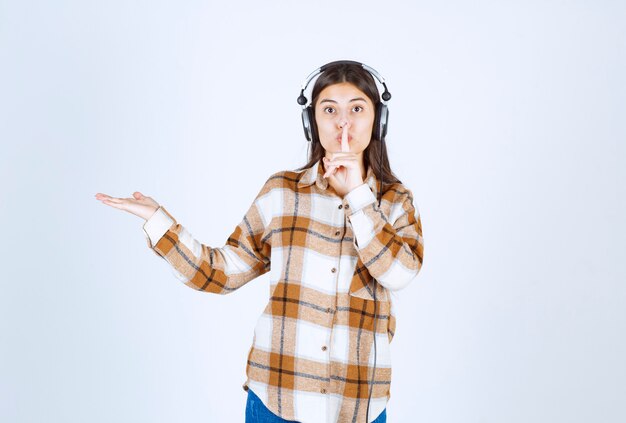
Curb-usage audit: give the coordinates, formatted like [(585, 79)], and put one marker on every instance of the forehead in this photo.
[(342, 92)]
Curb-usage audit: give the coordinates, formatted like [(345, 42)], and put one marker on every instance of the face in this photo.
[(338, 104)]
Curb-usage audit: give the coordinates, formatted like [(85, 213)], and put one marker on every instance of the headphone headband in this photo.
[(386, 95)]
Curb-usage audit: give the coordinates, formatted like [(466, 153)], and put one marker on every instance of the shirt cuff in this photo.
[(156, 226), (359, 198)]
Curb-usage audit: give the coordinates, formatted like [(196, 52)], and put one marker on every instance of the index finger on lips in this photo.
[(345, 147)]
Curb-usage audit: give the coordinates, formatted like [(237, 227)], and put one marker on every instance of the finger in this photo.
[(346, 162), (335, 177), (327, 166), (330, 170), (114, 200), (345, 157), (112, 204), (345, 147), (101, 196), (332, 178), (341, 154)]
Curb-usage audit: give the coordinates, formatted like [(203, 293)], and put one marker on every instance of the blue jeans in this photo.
[(257, 412)]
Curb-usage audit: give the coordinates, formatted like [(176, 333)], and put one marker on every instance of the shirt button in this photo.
[(324, 348), (340, 206), (347, 206), (329, 310), (333, 269), (337, 233), (323, 391)]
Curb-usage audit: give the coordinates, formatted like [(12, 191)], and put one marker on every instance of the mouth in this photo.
[(349, 138)]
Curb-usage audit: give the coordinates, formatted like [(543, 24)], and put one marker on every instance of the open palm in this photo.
[(139, 204)]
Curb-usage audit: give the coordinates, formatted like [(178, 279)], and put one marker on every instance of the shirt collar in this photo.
[(315, 175)]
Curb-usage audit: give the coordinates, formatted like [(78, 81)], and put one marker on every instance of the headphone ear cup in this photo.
[(307, 124), (381, 120), (314, 133), (312, 124), (376, 129)]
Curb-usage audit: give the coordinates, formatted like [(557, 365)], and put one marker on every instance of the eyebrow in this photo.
[(327, 100)]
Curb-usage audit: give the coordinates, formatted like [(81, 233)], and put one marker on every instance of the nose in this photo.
[(343, 122)]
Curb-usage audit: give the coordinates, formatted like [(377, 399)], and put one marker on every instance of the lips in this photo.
[(349, 138)]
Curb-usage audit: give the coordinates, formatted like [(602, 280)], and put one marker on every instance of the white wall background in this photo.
[(507, 122)]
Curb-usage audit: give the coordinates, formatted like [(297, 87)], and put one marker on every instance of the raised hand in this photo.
[(343, 169), (139, 204)]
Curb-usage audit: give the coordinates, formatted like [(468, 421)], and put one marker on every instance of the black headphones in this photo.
[(382, 112)]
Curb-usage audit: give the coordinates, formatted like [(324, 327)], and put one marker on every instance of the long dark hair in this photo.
[(363, 80)]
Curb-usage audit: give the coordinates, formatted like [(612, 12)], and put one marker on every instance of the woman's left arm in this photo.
[(392, 248)]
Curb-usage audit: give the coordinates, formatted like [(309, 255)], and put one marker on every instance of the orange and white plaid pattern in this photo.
[(312, 355)]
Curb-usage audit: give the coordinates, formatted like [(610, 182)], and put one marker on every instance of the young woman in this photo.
[(320, 350)]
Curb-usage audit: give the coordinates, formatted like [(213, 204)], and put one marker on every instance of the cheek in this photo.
[(366, 125), (324, 127)]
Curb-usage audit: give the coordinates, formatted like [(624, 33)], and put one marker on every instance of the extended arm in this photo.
[(245, 256)]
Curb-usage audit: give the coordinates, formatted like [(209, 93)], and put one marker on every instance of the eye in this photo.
[(328, 108), (357, 107)]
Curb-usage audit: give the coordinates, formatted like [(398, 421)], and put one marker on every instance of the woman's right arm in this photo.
[(245, 255)]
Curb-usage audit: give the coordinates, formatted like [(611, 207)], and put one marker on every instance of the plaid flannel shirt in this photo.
[(312, 355)]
